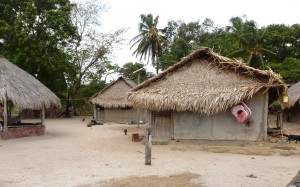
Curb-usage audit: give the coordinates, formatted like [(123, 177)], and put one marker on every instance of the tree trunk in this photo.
[(68, 105)]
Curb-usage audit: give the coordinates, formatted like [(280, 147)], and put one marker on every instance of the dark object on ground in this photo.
[(94, 122), (292, 138), (274, 132), (252, 176), (295, 182), (284, 148), (125, 131), (83, 119), (141, 137), (135, 137)]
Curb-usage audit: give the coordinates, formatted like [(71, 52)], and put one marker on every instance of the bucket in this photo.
[(135, 137)]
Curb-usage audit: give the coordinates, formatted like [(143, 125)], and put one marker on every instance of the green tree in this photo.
[(34, 34), (182, 38), (127, 71), (90, 51), (149, 41), (82, 105), (249, 38), (289, 69), (283, 40)]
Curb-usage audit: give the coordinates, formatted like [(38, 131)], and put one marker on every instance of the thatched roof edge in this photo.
[(130, 83), (156, 99), (224, 63), (294, 94), (24, 90)]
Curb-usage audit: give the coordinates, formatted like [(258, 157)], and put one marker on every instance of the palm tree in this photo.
[(250, 41), (149, 41)]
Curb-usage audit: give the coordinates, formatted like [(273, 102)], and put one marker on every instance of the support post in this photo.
[(138, 81), (138, 110), (43, 115), (148, 147), (5, 129), (95, 112)]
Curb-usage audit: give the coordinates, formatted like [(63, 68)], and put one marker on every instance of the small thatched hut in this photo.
[(23, 91), (193, 98), (110, 103), (294, 102)]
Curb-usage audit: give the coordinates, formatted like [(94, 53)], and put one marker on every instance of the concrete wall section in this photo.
[(222, 126), (123, 115)]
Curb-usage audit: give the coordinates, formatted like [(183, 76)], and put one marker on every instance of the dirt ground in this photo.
[(72, 154)]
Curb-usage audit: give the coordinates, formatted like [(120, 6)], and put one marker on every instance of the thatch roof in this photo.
[(25, 91), (114, 95), (294, 94), (203, 82)]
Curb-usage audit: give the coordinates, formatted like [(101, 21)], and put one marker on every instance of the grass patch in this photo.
[(245, 148), (217, 149), (186, 179), (160, 142)]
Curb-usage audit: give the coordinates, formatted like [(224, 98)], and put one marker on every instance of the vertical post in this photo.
[(5, 130), (95, 112), (138, 110), (148, 147), (43, 115)]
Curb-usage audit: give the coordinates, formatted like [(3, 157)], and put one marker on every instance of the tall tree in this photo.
[(33, 35), (127, 71), (289, 69), (149, 41), (91, 50), (284, 40), (250, 41)]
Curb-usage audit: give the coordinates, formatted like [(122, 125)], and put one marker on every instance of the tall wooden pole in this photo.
[(95, 112), (43, 115), (148, 147), (5, 130), (138, 110)]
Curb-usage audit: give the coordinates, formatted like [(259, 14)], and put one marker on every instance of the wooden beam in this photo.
[(95, 112), (5, 130), (43, 116), (148, 147)]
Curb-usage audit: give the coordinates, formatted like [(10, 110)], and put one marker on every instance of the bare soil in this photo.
[(72, 154)]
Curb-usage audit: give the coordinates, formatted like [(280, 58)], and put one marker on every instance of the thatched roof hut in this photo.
[(22, 89), (294, 94), (110, 104), (203, 82), (114, 95), (24, 92)]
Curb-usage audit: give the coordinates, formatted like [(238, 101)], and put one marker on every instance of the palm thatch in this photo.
[(294, 94), (114, 95), (203, 82), (22, 89)]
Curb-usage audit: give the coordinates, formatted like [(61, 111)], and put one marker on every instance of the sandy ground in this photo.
[(72, 154)]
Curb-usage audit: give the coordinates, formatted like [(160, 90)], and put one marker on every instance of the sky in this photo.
[(126, 14)]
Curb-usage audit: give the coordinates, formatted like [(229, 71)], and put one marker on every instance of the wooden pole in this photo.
[(43, 116), (138, 110), (5, 130), (95, 112), (148, 147)]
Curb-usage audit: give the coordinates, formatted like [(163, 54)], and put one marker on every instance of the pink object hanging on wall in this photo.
[(242, 112)]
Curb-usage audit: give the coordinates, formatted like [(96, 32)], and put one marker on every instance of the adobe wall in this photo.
[(24, 131)]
